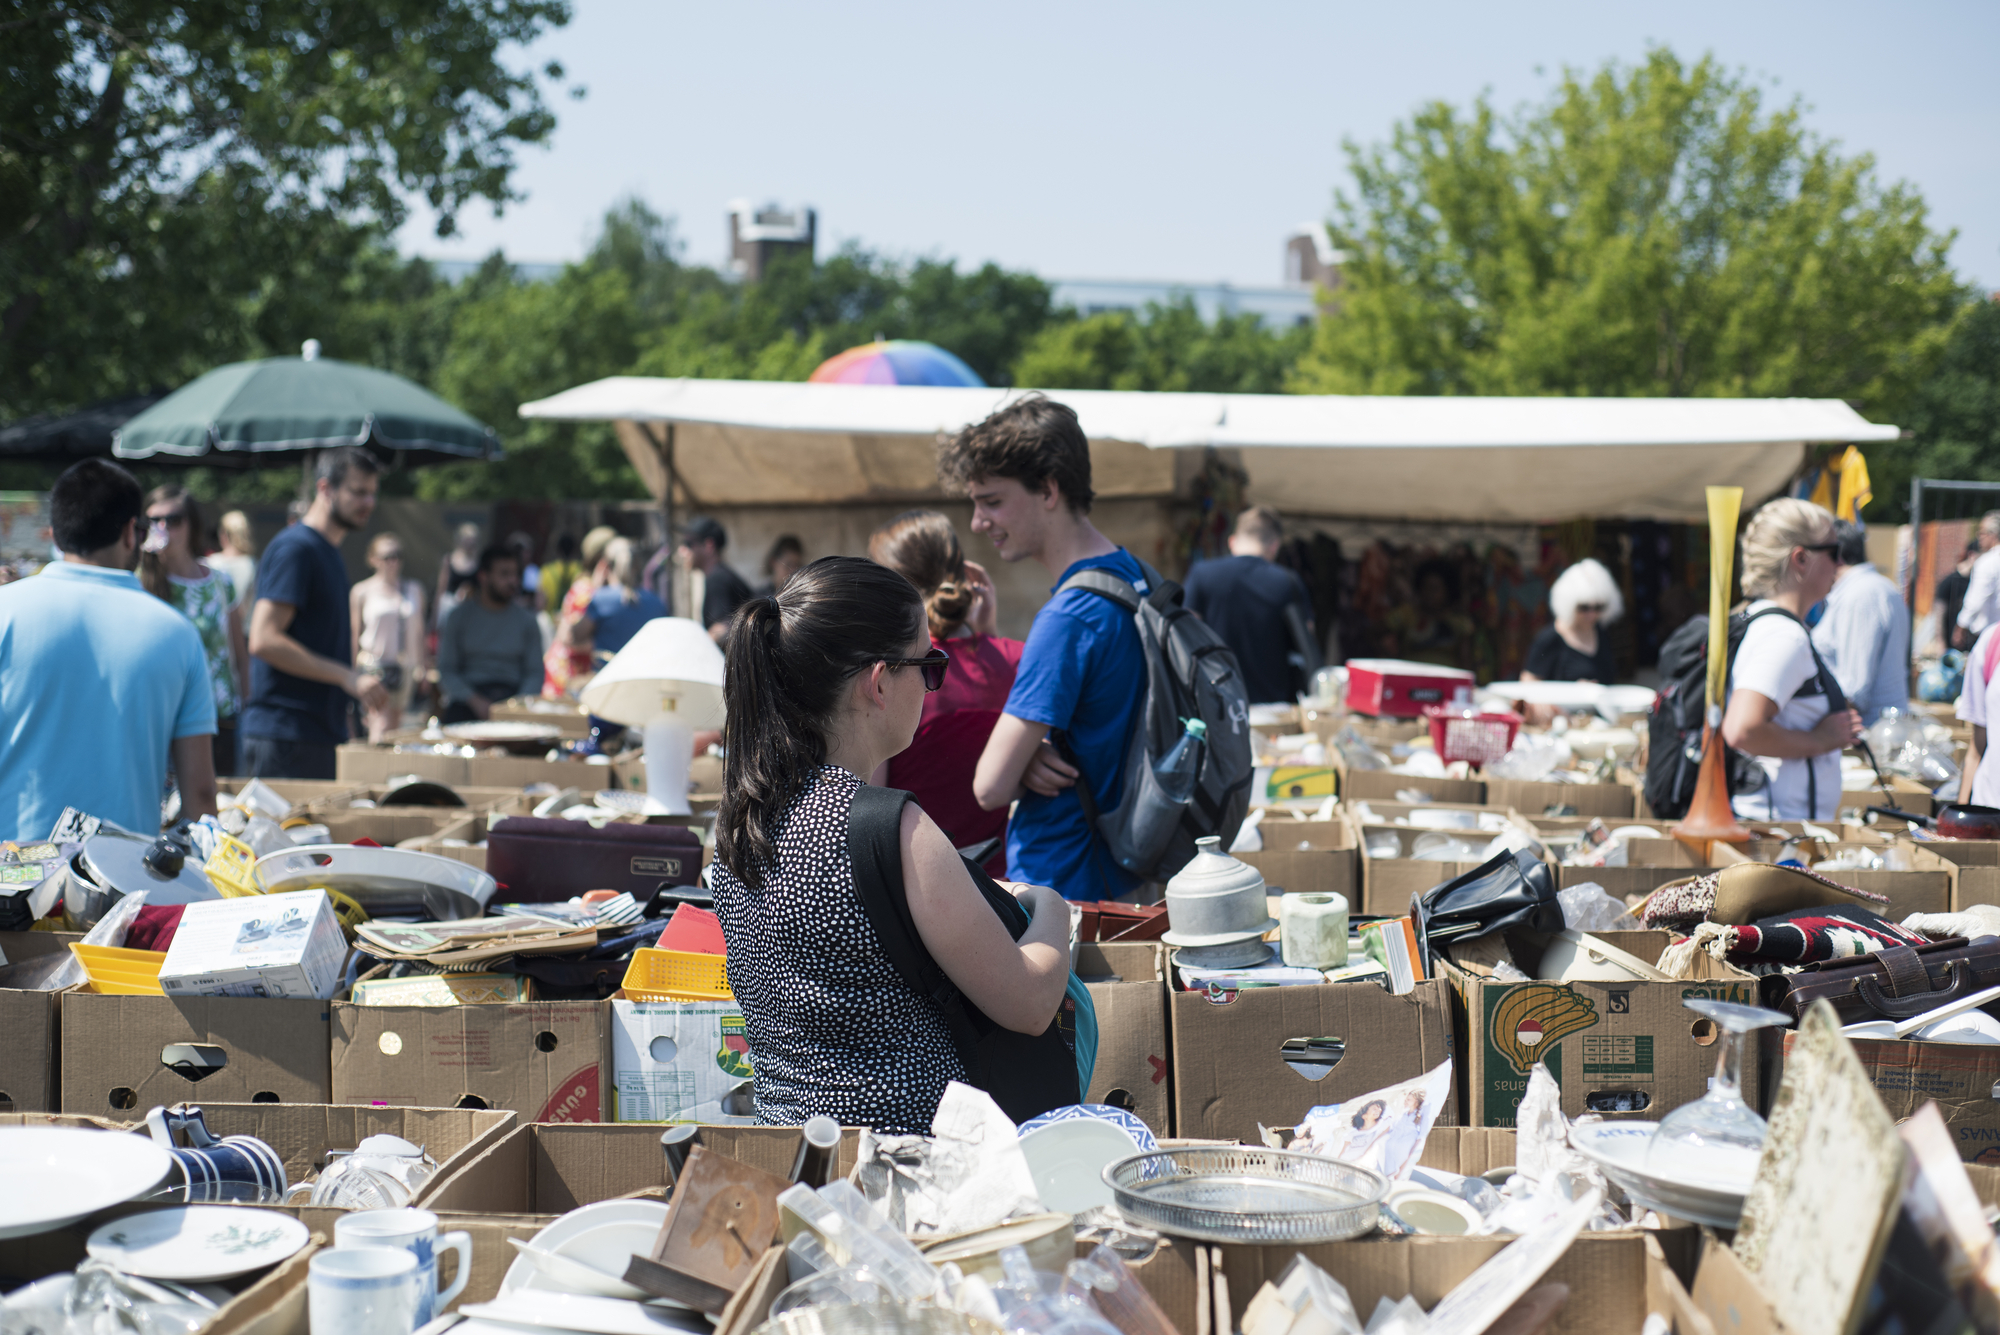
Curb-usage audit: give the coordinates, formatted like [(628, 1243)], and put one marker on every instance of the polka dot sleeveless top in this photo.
[(833, 1028)]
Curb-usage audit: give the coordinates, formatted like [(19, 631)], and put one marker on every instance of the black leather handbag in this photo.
[(1509, 890)]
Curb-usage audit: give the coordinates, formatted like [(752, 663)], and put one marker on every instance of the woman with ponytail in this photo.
[(825, 681), (959, 604)]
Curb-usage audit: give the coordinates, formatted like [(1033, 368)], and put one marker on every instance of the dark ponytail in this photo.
[(790, 656)]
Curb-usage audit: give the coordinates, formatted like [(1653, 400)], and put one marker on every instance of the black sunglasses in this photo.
[(1828, 547), (1590, 607), (933, 663), (174, 520)]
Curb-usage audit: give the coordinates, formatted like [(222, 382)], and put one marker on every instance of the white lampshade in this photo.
[(669, 670)]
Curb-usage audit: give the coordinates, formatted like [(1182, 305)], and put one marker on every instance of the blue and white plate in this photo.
[(1142, 1135)]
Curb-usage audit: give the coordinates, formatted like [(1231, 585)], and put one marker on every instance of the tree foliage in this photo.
[(1169, 348), (1953, 420), (181, 184), (1651, 230)]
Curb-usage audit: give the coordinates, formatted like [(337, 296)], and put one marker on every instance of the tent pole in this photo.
[(667, 505)]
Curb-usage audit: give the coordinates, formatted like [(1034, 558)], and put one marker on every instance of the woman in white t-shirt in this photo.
[(1778, 714), (1978, 705)]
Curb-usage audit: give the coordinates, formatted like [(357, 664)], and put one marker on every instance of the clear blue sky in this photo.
[(1164, 140)]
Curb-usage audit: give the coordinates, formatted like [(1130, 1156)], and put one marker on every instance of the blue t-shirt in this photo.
[(302, 568), (97, 678), (1082, 673), (617, 620)]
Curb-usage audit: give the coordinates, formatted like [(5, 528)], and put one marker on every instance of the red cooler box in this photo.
[(541, 861), (1399, 688)]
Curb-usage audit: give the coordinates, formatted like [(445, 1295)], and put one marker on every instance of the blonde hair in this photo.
[(235, 528), (1774, 531), (1586, 582), (619, 552)]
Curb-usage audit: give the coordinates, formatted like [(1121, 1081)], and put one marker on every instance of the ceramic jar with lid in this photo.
[(1216, 900)]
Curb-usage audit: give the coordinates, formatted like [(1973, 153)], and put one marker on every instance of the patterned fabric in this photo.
[(833, 1027), (562, 665), (1679, 905), (206, 602), (1833, 933)]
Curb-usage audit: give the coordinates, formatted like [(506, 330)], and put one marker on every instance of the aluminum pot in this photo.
[(1216, 899)]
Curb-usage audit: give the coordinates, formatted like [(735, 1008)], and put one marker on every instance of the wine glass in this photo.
[(1718, 1136)]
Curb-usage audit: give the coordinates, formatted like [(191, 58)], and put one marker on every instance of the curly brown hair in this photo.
[(1032, 440)]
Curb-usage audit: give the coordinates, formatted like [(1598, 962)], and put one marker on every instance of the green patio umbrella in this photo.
[(251, 414)]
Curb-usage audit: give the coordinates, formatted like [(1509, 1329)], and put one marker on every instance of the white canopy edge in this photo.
[(1499, 459)]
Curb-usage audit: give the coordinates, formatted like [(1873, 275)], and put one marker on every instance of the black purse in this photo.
[(1027, 1074), (1510, 890)]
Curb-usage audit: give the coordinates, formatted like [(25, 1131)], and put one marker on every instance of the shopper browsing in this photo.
[(1082, 676), (386, 612), (302, 668), (824, 683), (1979, 705), (99, 681), (1864, 635), (206, 596), (620, 606), (489, 647), (1778, 710), (1585, 599), (1260, 609), (962, 611), (1982, 593), (723, 590)]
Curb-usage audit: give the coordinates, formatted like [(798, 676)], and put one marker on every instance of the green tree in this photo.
[(1650, 230), (1953, 421), (1168, 348), (184, 184)]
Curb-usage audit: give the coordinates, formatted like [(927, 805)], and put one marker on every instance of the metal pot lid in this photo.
[(116, 860), (1212, 872)]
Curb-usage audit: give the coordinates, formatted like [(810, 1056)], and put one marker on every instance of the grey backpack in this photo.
[(1190, 673)]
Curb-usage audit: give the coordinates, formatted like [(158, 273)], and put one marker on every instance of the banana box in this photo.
[(680, 1061), (1625, 1050)]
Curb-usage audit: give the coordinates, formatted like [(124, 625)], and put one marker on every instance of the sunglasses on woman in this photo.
[(933, 663), (1590, 607)]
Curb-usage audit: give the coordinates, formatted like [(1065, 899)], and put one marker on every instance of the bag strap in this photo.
[(874, 845)]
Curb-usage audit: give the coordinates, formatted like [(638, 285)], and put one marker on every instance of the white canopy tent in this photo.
[(1495, 460)]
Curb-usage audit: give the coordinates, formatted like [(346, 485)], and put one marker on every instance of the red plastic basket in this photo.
[(1475, 738)]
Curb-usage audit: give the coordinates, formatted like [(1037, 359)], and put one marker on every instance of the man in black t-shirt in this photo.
[(701, 547), (301, 659), (1245, 596)]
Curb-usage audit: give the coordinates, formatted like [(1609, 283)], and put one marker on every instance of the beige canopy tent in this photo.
[(1495, 460)]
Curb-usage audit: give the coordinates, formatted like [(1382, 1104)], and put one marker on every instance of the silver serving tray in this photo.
[(1246, 1194)]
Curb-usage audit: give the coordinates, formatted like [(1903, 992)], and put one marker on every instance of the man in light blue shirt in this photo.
[(1864, 636), (99, 680)]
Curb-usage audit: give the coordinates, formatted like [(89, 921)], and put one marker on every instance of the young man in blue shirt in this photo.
[(100, 682), (1082, 678)]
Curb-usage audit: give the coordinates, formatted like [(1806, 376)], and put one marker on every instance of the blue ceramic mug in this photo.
[(228, 1168)]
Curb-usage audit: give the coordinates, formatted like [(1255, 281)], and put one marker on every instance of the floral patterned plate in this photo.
[(1142, 1135), (198, 1244)]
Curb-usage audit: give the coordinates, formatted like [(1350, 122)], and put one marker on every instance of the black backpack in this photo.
[(1190, 673), (1027, 1074), (1673, 730)]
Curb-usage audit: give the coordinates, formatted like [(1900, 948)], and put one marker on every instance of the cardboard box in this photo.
[(673, 1061), (125, 1053), (359, 763), (1649, 864), (1329, 864), (1379, 785), (1230, 1077), (358, 798), (549, 1168), (303, 1134), (1728, 1295), (1132, 1072), (30, 1065), (1609, 801), (1389, 884), (1963, 1079), (287, 945), (1926, 889), (1976, 864), (1606, 1044), (546, 1060), (399, 827)]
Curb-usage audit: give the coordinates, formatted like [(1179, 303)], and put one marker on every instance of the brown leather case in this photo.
[(1891, 984), (541, 861)]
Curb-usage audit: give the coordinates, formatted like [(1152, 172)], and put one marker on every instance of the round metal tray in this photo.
[(1241, 1193)]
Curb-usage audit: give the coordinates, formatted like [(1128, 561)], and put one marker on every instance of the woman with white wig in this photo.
[(1585, 599)]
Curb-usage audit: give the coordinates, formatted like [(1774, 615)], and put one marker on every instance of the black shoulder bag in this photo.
[(1027, 1074)]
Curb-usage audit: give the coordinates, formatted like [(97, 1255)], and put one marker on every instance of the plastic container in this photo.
[(233, 868), (1471, 736), (1396, 688), (122, 972), (676, 975)]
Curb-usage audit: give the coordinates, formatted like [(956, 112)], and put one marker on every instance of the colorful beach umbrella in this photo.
[(898, 361)]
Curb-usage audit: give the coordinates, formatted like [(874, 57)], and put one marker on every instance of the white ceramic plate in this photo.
[(605, 1235), (372, 876), (1068, 1160), (1431, 1211), (57, 1175), (1620, 1149), (197, 1244)]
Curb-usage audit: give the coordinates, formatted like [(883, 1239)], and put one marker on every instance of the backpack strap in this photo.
[(1829, 685), (874, 845)]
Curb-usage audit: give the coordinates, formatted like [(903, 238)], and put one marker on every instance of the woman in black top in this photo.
[(1585, 599)]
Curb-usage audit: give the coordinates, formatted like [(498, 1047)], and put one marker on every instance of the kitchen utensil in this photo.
[(1142, 1135), (1215, 899), (1244, 1194), (363, 1291), (388, 882), (56, 1175), (604, 1236), (1247, 952), (415, 1232), (1954, 820), (1067, 1160), (567, 1275), (198, 1244)]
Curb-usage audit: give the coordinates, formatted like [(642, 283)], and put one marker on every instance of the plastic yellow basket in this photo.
[(118, 970), (677, 975), (233, 869)]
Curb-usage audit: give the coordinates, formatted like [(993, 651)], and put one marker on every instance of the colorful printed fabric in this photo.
[(1805, 936), (206, 602)]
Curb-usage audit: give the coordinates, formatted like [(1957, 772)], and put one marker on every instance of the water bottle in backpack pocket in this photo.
[(1166, 787)]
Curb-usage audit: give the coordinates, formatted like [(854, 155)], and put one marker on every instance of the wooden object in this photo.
[(1828, 1188), (721, 1221)]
